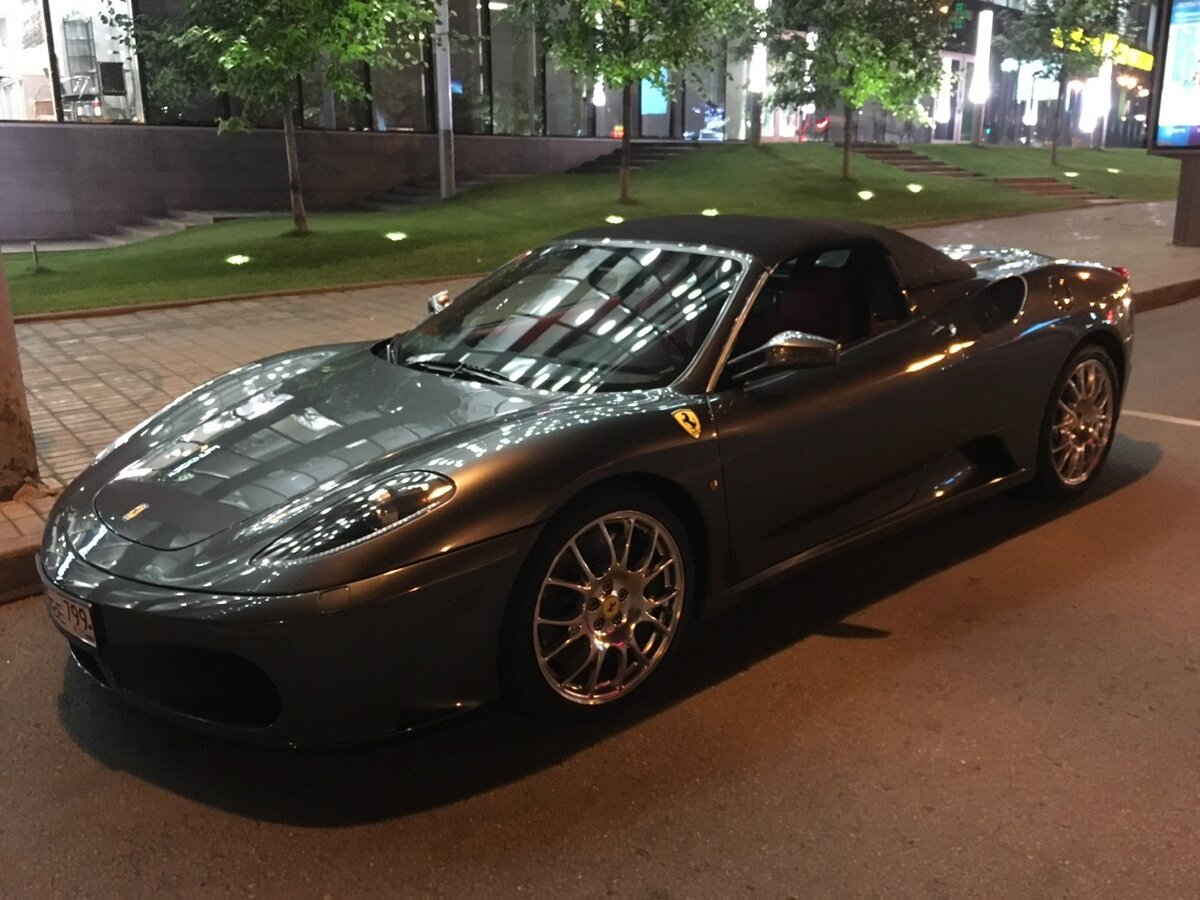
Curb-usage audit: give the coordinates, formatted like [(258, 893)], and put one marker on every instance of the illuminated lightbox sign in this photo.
[(655, 101), (1108, 46), (1179, 112)]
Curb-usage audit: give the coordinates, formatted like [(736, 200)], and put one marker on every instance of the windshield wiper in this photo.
[(459, 370)]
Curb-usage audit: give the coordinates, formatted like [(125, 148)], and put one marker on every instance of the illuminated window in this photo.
[(97, 76), (25, 88)]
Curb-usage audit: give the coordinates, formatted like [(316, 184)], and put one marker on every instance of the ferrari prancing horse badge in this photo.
[(688, 421)]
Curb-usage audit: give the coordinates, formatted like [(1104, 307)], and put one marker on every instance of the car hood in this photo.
[(261, 438)]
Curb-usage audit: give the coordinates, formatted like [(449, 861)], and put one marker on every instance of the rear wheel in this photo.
[(602, 600), (1077, 429)]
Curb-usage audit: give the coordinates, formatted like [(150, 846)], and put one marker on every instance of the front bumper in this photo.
[(370, 659)]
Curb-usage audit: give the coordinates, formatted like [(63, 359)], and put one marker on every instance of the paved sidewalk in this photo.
[(1134, 235), (91, 379)]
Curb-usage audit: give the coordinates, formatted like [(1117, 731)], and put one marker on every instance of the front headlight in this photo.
[(370, 511)]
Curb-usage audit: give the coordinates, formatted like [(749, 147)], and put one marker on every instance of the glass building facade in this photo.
[(59, 62), (1020, 104)]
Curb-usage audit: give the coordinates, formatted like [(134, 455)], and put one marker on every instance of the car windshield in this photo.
[(579, 318)]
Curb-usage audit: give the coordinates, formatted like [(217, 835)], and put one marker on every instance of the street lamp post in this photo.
[(444, 99), (757, 82)]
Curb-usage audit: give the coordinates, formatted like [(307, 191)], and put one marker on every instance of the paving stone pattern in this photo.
[(22, 520), (91, 379)]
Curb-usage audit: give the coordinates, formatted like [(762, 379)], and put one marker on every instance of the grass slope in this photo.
[(482, 228), (1139, 175)]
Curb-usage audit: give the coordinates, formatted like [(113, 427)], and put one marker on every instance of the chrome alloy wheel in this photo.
[(1083, 422), (608, 607)]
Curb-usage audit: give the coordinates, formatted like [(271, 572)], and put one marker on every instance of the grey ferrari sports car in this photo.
[(540, 489)]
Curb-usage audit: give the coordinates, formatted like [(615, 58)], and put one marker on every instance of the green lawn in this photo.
[(484, 227), (1138, 175)]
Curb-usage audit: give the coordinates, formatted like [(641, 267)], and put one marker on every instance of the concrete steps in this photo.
[(1046, 186), (142, 230), (909, 160), (149, 227), (174, 221), (416, 193), (642, 154)]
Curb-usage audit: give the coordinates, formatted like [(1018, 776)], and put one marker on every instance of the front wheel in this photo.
[(602, 600), (1078, 427)]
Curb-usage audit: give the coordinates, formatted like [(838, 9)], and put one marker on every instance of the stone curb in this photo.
[(1168, 295), (18, 569), (102, 311), (1146, 300)]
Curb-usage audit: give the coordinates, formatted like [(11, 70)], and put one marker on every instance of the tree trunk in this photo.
[(295, 188), (1056, 129), (18, 455), (848, 134), (626, 138)]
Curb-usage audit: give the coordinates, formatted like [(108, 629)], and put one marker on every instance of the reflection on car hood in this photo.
[(279, 430)]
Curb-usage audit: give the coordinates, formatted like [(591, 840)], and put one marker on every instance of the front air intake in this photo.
[(205, 684)]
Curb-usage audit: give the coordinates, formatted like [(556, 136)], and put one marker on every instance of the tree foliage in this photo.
[(881, 50), (1066, 37), (256, 52), (622, 42)]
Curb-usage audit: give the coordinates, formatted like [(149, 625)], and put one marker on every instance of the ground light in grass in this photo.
[(711, 211), (865, 195), (395, 235), (237, 259), (915, 188), (1070, 174), (1113, 171), (614, 220)]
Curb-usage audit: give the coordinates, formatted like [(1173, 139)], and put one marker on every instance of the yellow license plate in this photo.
[(72, 616)]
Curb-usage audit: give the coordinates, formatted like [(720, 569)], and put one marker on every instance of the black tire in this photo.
[(1074, 443), (613, 620)]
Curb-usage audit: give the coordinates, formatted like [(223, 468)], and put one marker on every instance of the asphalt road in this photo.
[(1004, 703)]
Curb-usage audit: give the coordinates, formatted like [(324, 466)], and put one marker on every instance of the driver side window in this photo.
[(843, 293)]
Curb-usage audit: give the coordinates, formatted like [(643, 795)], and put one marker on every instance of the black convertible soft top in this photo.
[(773, 240)]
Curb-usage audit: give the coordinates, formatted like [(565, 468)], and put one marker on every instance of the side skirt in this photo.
[(896, 521)]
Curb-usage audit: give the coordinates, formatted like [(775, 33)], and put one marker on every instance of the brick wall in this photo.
[(66, 181)]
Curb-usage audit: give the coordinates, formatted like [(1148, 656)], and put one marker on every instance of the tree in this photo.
[(1067, 38), (847, 52), (18, 455), (256, 53), (622, 42)]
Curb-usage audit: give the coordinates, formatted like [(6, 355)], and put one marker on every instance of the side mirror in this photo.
[(437, 302), (786, 351)]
